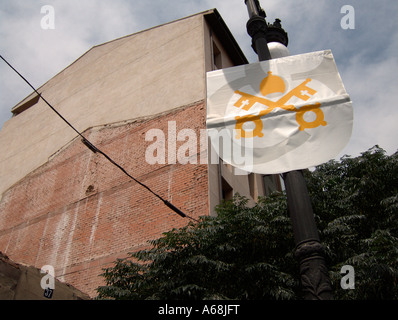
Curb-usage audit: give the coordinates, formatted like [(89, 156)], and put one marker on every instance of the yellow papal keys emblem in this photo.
[(275, 84)]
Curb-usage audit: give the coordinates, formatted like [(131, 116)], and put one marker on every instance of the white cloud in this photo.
[(373, 91), (40, 54)]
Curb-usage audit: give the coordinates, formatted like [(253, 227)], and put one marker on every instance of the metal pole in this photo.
[(309, 251), (257, 29)]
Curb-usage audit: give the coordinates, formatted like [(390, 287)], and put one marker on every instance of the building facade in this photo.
[(141, 99)]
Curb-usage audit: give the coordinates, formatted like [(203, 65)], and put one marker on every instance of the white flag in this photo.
[(279, 115)]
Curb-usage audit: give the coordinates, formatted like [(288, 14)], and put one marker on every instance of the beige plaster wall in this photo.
[(139, 75)]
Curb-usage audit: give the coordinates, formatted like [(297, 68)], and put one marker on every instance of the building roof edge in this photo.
[(229, 42), (212, 16)]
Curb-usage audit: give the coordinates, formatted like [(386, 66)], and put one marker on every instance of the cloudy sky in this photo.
[(366, 56)]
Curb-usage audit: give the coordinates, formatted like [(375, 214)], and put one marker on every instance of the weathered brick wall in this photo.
[(79, 213)]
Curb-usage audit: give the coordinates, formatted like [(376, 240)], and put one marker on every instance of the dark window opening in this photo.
[(227, 191), (217, 62)]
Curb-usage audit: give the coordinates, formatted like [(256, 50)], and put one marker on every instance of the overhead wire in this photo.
[(94, 149)]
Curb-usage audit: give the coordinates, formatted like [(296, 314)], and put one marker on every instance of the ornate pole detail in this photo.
[(257, 29), (309, 250), (315, 280)]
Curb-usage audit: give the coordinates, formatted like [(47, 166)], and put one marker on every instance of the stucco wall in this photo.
[(20, 282), (139, 75)]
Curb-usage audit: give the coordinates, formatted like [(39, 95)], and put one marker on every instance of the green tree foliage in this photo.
[(356, 206), (247, 252)]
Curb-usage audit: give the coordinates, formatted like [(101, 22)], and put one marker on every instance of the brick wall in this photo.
[(79, 213)]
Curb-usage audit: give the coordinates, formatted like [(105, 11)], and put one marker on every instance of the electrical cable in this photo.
[(94, 149)]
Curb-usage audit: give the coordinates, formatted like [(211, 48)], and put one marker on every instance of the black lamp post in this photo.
[(309, 251)]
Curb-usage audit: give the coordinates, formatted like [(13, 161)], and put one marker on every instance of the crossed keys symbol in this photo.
[(301, 91)]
